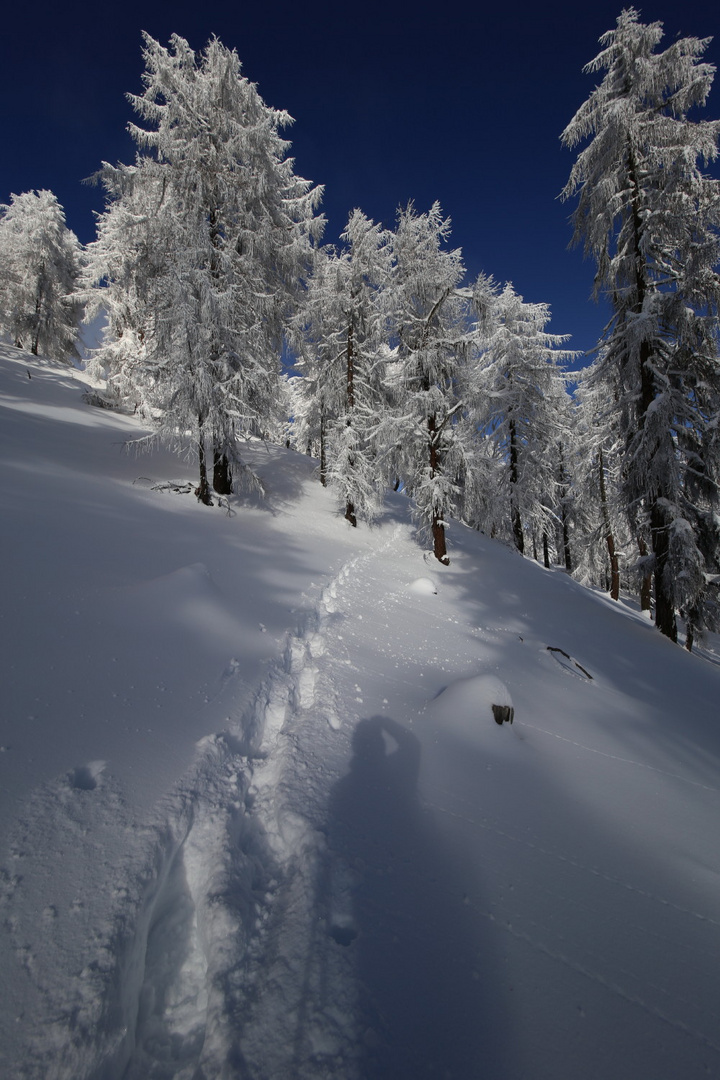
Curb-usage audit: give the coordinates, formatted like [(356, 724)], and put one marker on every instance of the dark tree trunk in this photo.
[(349, 406), (609, 538), (438, 528), (38, 311), (664, 599), (546, 552), (222, 475), (202, 491), (350, 358), (518, 530), (515, 512), (567, 551), (564, 482), (439, 545), (614, 568), (659, 524), (646, 581), (323, 456)]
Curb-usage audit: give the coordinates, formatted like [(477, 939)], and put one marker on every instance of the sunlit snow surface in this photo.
[(259, 820)]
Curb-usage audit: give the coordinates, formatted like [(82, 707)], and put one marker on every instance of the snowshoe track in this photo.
[(260, 962), (221, 949)]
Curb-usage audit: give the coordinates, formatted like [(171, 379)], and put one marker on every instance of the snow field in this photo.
[(274, 831)]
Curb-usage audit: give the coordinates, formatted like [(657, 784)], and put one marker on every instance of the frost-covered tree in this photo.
[(40, 261), (600, 519), (129, 258), (649, 217), (344, 330), (316, 336), (523, 410), (365, 278), (231, 236), (431, 375)]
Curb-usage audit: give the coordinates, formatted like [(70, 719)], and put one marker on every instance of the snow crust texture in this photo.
[(295, 843)]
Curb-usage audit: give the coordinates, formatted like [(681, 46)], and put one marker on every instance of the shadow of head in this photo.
[(368, 745)]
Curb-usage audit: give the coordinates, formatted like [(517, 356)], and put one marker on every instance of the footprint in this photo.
[(296, 655), (343, 934), (316, 645), (85, 777), (305, 692), (333, 720)]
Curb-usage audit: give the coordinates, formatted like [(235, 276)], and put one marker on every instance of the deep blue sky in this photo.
[(462, 102)]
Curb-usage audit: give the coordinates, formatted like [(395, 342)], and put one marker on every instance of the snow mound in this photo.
[(423, 586), (471, 699)]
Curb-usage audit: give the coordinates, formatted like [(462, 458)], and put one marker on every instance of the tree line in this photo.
[(210, 268)]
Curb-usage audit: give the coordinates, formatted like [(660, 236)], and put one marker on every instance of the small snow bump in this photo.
[(423, 586)]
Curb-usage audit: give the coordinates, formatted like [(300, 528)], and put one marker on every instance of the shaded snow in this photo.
[(259, 821)]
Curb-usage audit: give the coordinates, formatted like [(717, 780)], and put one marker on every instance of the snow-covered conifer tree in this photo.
[(344, 330), (523, 410), (436, 334), (233, 235), (316, 336), (650, 218), (600, 520), (129, 258), (40, 260), (364, 278)]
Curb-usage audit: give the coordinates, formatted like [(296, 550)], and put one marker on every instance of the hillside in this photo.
[(258, 819)]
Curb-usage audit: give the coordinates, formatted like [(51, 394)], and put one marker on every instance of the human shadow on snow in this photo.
[(430, 1000)]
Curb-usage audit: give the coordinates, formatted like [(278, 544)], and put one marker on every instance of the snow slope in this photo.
[(259, 820)]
